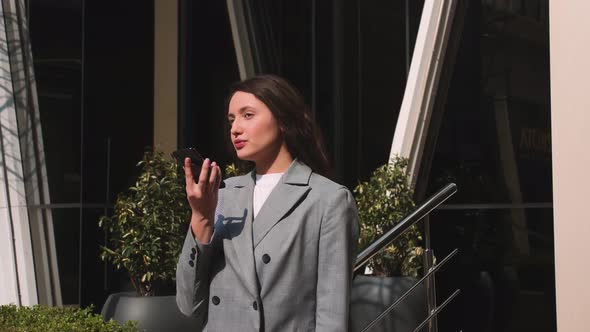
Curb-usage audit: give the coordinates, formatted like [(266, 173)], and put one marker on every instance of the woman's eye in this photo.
[(248, 115)]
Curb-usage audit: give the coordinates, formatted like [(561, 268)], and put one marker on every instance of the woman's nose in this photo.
[(235, 128)]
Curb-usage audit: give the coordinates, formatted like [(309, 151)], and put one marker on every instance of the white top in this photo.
[(265, 183)]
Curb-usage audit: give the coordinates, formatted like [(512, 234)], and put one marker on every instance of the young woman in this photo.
[(274, 249)]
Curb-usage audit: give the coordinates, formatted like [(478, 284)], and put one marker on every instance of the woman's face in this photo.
[(255, 134)]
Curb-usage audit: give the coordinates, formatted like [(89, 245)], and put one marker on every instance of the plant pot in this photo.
[(372, 295), (153, 313)]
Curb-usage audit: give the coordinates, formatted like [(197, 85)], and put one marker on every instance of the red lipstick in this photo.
[(238, 144)]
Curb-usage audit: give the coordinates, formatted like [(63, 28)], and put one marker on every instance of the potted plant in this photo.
[(382, 202), (145, 236)]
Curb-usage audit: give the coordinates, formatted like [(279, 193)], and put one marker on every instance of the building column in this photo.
[(570, 131), (166, 75)]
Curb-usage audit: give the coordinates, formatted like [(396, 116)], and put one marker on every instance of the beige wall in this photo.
[(165, 74), (570, 120)]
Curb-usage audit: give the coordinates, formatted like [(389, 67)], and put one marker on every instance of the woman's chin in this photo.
[(242, 155)]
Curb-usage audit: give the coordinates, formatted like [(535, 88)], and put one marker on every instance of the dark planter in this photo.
[(153, 313), (372, 295)]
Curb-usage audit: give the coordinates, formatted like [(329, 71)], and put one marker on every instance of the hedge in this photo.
[(48, 319)]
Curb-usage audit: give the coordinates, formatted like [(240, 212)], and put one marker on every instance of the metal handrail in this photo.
[(416, 215), (437, 310), (401, 298)]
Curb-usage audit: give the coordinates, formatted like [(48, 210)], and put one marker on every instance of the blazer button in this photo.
[(215, 300), (191, 263), (193, 256), (266, 258), (255, 305), (194, 251)]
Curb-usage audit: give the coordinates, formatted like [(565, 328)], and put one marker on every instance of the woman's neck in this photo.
[(279, 163)]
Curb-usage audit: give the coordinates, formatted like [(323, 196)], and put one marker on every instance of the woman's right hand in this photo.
[(202, 197)]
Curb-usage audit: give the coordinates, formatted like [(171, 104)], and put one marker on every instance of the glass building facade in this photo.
[(489, 132)]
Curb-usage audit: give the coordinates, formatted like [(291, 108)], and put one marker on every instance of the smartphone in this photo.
[(196, 162)]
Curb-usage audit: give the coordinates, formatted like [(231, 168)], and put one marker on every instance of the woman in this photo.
[(274, 249)]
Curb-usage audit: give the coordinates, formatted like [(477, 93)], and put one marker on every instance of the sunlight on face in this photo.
[(255, 133)]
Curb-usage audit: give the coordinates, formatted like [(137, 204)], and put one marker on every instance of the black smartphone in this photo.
[(196, 162)]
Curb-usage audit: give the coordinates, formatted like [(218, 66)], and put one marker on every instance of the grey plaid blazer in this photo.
[(289, 270)]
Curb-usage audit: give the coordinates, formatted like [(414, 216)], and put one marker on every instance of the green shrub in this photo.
[(148, 226), (52, 319), (382, 202)]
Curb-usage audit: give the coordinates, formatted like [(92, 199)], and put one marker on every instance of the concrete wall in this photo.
[(570, 120)]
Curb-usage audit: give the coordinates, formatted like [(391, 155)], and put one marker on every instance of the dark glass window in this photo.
[(58, 70), (207, 66), (93, 66), (494, 142)]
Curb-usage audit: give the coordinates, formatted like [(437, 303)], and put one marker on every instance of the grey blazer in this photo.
[(288, 270)]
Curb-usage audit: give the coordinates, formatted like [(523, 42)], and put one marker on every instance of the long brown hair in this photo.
[(301, 134)]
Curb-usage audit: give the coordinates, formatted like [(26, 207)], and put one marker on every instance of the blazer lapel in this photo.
[(287, 194), (238, 207)]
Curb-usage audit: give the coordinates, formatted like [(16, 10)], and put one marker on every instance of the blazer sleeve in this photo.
[(192, 278), (337, 248)]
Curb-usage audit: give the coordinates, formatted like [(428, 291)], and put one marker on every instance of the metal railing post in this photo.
[(429, 283)]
